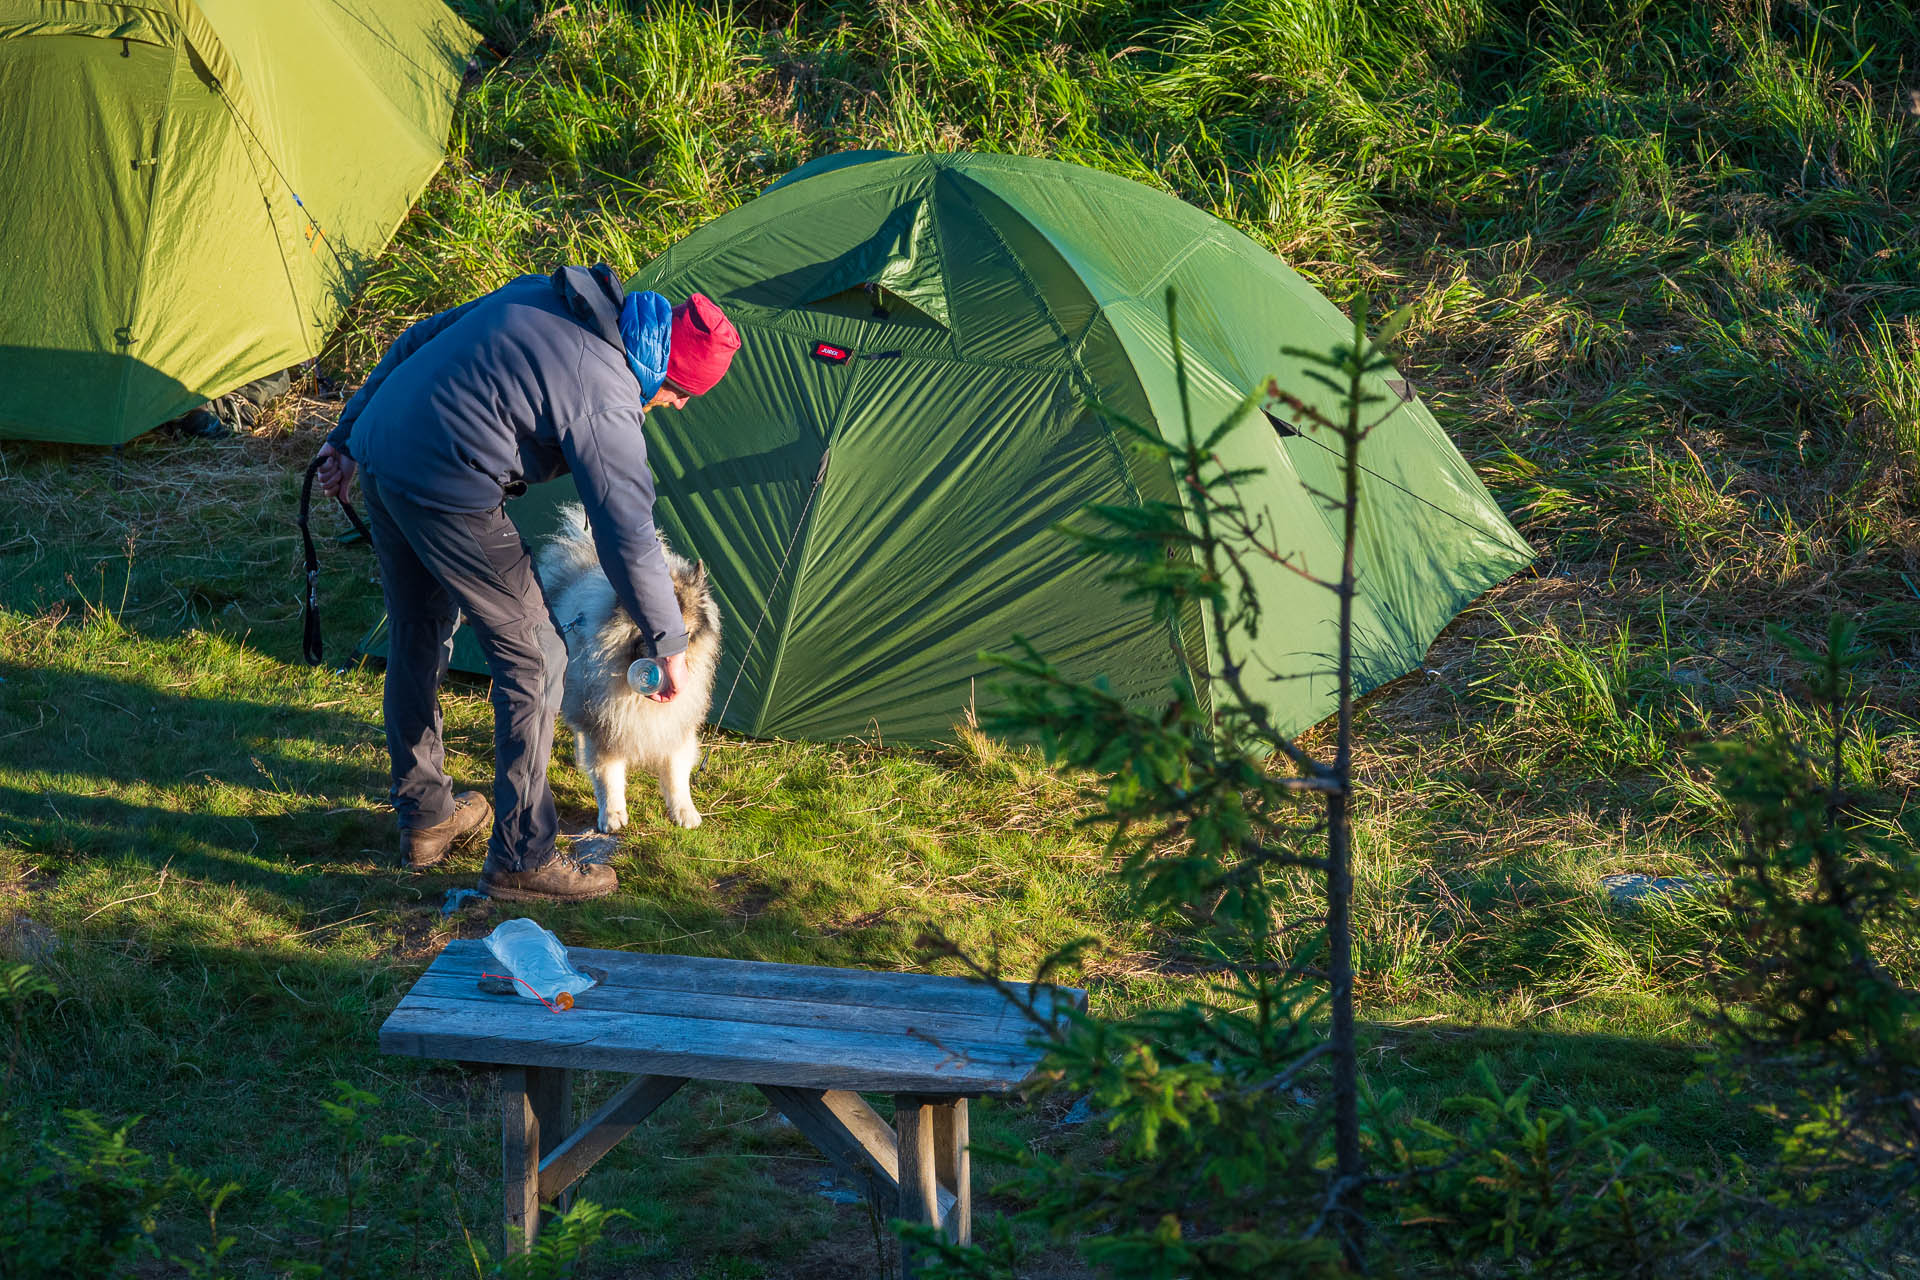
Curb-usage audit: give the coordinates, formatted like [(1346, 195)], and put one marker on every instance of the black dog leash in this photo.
[(310, 643)]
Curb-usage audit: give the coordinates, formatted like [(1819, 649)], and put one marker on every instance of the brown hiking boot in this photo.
[(422, 847), (561, 878)]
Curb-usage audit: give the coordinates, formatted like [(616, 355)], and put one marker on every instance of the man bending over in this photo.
[(546, 376)]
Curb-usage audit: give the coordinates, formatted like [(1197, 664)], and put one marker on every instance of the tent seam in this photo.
[(677, 270), (138, 297), (778, 323), (1074, 365), (805, 534), (1174, 263), (946, 288), (1077, 369), (11, 29)]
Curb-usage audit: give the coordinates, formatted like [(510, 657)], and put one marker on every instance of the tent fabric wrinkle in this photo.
[(872, 523), (145, 23)]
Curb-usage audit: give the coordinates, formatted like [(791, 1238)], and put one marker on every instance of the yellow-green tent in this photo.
[(191, 190)]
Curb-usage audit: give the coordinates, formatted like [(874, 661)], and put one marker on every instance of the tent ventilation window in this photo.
[(874, 302), (895, 275)]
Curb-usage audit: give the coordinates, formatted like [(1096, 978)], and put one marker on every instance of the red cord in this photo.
[(530, 991)]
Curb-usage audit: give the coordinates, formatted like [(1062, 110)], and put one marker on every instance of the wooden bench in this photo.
[(811, 1039)]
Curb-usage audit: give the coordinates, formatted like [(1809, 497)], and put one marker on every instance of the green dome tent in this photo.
[(194, 188), (873, 485)]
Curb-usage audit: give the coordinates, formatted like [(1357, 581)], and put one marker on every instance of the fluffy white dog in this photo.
[(614, 727)]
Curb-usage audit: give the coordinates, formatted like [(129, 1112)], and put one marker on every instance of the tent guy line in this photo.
[(314, 224), (293, 290), (1494, 534)]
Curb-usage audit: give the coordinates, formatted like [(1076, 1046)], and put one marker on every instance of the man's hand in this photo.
[(336, 472), (673, 674)]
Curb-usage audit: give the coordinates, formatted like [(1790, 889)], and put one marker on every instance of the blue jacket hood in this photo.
[(593, 296)]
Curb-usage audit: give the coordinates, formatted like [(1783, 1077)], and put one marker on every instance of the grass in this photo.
[(1665, 263)]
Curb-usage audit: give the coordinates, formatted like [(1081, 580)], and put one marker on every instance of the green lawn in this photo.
[(1665, 262)]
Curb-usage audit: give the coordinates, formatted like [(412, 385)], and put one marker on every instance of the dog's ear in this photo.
[(700, 572)]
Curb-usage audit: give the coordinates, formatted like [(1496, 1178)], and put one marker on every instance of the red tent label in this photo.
[(830, 353)]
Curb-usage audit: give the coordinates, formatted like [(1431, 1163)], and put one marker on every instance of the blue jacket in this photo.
[(522, 385)]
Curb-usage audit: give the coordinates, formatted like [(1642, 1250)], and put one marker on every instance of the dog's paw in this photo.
[(612, 820), (683, 815)]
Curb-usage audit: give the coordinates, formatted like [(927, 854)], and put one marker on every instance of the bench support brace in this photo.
[(916, 1168), (621, 1115), (544, 1154)]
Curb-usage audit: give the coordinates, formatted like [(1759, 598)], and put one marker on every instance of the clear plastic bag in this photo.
[(535, 958)]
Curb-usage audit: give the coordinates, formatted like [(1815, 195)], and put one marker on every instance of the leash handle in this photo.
[(310, 645)]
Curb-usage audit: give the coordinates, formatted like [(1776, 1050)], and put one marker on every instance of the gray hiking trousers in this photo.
[(436, 566)]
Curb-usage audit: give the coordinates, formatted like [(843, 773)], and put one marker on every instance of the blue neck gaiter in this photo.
[(646, 331)]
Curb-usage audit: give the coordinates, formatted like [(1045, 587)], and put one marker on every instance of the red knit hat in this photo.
[(702, 346)]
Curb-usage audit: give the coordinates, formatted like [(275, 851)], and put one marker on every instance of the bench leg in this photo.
[(954, 1167), (536, 1113), (913, 1126), (551, 1089)]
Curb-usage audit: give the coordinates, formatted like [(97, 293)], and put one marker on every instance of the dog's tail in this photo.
[(569, 553)]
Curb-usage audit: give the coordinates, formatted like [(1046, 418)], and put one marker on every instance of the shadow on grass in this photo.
[(102, 769), (1432, 1061), (66, 831)]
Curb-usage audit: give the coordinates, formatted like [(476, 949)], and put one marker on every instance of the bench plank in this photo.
[(523, 1033), (877, 988), (1008, 1024)]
